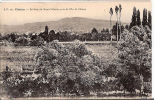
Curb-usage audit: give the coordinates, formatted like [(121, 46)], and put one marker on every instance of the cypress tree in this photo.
[(134, 17), (138, 18), (144, 21), (149, 19), (46, 30)]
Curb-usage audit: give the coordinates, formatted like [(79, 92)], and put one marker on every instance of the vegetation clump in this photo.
[(60, 70)]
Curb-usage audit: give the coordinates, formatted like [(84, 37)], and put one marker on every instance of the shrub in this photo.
[(38, 41), (71, 61), (21, 41)]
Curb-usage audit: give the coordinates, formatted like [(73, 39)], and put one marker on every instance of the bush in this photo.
[(38, 41), (71, 61), (21, 41)]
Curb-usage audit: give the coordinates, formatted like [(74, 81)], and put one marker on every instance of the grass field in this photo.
[(17, 57), (107, 52), (23, 56)]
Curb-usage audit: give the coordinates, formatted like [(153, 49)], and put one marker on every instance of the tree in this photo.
[(64, 36), (46, 30), (135, 55), (94, 33), (70, 68), (44, 34), (116, 10), (12, 37), (127, 27), (103, 30), (1, 37), (38, 41), (52, 36), (149, 19), (134, 17), (21, 41), (111, 13), (138, 18), (120, 9), (144, 21), (115, 30), (127, 80), (94, 30)]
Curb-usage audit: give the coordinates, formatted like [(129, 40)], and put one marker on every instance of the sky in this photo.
[(14, 13), (68, 0)]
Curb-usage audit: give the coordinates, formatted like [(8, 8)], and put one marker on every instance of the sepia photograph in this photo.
[(76, 50)]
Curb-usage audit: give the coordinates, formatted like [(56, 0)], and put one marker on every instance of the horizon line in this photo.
[(59, 20)]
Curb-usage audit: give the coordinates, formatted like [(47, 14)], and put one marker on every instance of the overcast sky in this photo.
[(93, 9)]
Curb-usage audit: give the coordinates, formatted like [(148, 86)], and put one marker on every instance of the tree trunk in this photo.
[(111, 32), (110, 29), (117, 27), (120, 25)]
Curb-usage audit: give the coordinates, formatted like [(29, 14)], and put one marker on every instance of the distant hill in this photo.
[(75, 24)]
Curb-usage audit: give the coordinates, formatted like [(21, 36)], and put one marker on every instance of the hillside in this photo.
[(75, 24)]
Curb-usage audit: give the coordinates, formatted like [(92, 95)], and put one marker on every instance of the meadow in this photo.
[(17, 57)]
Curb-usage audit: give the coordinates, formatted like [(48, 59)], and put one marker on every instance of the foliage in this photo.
[(149, 19), (138, 18), (94, 30), (134, 16), (144, 21), (116, 29), (21, 41), (60, 69), (66, 69), (37, 41), (135, 57)]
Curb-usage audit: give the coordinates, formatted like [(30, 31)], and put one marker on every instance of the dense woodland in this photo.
[(71, 69)]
